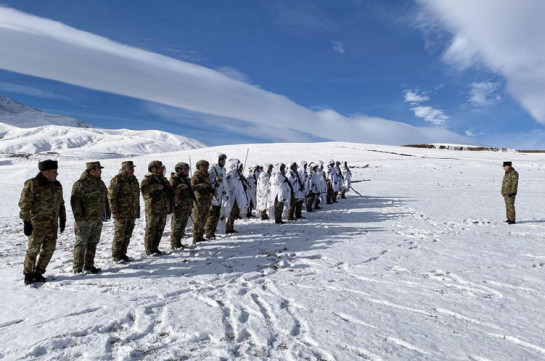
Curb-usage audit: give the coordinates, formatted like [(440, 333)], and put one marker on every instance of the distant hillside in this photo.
[(28, 130), (22, 116)]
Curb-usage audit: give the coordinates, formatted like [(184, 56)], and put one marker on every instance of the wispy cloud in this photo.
[(56, 51), (412, 96), (302, 15), (28, 90), (234, 73), (338, 46), (483, 94), (430, 114), (503, 35)]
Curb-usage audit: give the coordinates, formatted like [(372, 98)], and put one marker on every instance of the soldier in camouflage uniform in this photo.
[(124, 198), (509, 188), (42, 211), (183, 202), (158, 197), (89, 203), (203, 191)]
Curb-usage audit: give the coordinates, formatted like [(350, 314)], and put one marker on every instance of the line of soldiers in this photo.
[(211, 195)]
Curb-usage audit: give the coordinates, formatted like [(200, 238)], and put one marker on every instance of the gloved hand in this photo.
[(62, 224), (511, 195), (28, 228)]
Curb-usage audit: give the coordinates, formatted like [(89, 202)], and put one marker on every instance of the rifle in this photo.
[(360, 180), (358, 193)]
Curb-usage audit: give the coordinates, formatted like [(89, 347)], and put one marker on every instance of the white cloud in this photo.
[(338, 46), (469, 133), (504, 35), (413, 97), (482, 94), (27, 90), (234, 73), (49, 49), (430, 114)]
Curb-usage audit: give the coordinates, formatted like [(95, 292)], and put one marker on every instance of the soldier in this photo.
[(280, 191), (183, 202), (158, 197), (509, 188), (237, 193), (322, 185), (220, 206), (204, 191), (42, 212), (264, 201), (347, 179), (124, 198), (332, 183), (297, 193), (251, 190), (89, 203), (313, 186)]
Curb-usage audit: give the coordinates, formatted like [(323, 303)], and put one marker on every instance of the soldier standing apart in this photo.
[(89, 203), (42, 212), (158, 196), (183, 202), (124, 198), (203, 191), (220, 206), (509, 188)]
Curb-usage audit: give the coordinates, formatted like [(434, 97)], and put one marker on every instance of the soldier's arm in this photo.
[(75, 201), (25, 202), (514, 184), (113, 192), (62, 208)]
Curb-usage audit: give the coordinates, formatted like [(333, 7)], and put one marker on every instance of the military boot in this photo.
[(29, 279)]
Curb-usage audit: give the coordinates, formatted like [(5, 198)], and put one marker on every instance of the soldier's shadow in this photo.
[(265, 247)]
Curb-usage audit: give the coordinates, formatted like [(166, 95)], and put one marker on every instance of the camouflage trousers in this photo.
[(510, 208), (155, 225), (235, 213), (41, 242), (278, 210), (180, 216), (87, 237), (296, 208), (212, 220), (122, 237), (310, 201), (200, 214), (330, 193)]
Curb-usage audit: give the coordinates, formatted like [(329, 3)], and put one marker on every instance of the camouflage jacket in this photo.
[(510, 182), (89, 198), (124, 196), (158, 201), (42, 202), (201, 185), (181, 186)]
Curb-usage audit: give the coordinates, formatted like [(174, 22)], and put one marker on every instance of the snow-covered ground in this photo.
[(421, 267)]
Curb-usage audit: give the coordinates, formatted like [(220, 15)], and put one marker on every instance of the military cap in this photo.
[(93, 165), (181, 165), (154, 164), (202, 163), (222, 156), (510, 164), (127, 163), (47, 164)]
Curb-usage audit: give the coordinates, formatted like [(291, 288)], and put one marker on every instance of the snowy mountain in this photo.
[(420, 267), (27, 130), (22, 116)]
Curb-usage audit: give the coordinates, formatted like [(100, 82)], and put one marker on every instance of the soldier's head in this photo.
[(221, 159), (202, 165), (48, 168), (269, 168), (182, 168), (282, 168), (507, 166), (293, 166), (156, 166), (94, 169), (128, 167)]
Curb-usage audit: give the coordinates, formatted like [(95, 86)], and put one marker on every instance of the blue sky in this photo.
[(364, 69)]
